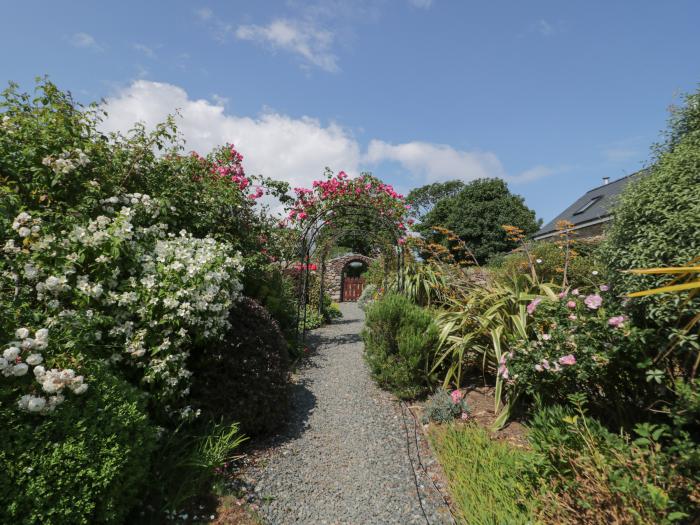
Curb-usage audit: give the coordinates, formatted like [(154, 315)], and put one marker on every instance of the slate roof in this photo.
[(591, 208)]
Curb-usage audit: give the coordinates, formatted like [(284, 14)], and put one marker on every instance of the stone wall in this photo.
[(333, 281)]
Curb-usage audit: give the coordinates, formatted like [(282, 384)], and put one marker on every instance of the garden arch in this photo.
[(339, 207)]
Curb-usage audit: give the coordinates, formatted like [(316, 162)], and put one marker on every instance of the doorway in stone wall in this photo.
[(353, 280)]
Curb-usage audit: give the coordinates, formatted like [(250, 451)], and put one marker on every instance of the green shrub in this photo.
[(399, 340), (245, 377), (657, 221), (487, 479), (86, 462)]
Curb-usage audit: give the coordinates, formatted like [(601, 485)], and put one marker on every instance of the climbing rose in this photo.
[(593, 301)]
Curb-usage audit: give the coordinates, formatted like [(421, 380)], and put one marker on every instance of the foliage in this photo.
[(594, 476), (487, 479), (423, 199), (656, 225), (244, 377), (476, 214), (86, 462), (399, 339), (444, 407), (548, 259)]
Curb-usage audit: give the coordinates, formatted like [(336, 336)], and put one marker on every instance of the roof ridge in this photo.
[(617, 180)]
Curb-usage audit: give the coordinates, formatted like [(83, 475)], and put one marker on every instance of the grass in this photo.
[(486, 477)]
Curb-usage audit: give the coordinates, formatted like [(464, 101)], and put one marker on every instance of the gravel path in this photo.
[(344, 457)]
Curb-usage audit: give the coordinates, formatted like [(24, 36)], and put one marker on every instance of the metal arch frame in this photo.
[(308, 236)]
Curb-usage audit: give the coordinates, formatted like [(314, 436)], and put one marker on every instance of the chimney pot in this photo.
[(606, 180)]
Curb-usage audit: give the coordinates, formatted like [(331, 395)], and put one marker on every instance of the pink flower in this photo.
[(464, 416), (593, 301), (456, 396), (562, 295), (571, 304), (546, 337), (574, 291), (533, 305), (568, 360), (545, 364), (539, 368), (604, 288), (573, 317), (616, 321), (503, 371)]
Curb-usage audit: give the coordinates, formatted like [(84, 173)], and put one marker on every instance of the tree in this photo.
[(423, 199), (477, 213)]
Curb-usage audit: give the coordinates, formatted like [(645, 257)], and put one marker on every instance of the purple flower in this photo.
[(616, 321), (568, 360), (533, 305), (593, 301), (604, 288)]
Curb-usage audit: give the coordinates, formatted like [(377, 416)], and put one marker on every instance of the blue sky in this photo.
[(552, 95)]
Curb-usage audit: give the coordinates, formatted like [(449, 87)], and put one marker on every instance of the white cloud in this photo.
[(436, 162), (84, 40), (421, 4), (301, 38), (295, 150), (142, 48), (273, 144), (544, 28), (204, 13)]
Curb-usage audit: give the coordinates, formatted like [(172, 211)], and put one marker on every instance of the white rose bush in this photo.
[(120, 260)]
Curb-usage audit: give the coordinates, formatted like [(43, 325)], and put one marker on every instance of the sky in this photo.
[(550, 95)]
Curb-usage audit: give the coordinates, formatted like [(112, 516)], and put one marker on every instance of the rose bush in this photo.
[(580, 344)]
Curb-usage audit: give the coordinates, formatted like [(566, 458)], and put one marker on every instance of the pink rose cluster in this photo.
[(617, 321), (232, 169), (566, 360)]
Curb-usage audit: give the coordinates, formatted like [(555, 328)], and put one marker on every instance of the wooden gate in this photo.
[(352, 288)]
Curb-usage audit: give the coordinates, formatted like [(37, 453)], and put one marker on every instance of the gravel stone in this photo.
[(343, 457)]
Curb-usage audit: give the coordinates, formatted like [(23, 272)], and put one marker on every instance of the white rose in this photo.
[(11, 353), (22, 333), (24, 231), (34, 359), (20, 369), (36, 404), (42, 334), (39, 372), (81, 389)]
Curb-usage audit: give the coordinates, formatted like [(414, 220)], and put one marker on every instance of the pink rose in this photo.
[(593, 301), (571, 304), (456, 396), (568, 360), (616, 321)]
